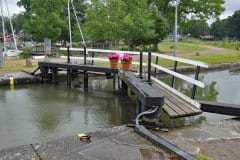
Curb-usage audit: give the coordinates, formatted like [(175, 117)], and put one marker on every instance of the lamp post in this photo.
[(175, 3), (175, 28)]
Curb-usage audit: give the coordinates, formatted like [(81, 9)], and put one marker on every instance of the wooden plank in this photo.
[(170, 111), (175, 105), (183, 102)]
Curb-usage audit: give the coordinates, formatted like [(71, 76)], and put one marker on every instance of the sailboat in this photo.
[(7, 52)]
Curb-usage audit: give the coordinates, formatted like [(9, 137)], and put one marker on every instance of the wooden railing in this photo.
[(197, 64)]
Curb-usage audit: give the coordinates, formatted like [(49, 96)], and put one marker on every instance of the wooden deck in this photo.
[(175, 106)]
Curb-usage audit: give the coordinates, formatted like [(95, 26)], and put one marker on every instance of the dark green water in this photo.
[(43, 112)]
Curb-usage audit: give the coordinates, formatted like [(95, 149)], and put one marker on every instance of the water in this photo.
[(221, 86), (43, 112)]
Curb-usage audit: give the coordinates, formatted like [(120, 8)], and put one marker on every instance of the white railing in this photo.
[(159, 67)]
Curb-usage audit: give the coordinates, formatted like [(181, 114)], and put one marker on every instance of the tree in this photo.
[(233, 25), (203, 9), (219, 29), (196, 28), (120, 20), (43, 18)]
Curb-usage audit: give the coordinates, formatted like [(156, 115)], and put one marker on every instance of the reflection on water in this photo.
[(42, 112), (221, 86)]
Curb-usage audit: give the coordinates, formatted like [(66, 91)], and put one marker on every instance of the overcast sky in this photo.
[(230, 5)]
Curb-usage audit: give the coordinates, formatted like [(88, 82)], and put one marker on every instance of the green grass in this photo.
[(228, 56), (167, 47), (12, 65)]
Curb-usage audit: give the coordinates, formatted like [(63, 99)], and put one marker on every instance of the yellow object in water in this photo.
[(11, 79)]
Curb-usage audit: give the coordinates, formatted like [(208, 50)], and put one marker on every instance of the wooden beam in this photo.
[(220, 108)]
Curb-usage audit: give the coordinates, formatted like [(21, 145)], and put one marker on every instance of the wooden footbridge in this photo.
[(149, 90)]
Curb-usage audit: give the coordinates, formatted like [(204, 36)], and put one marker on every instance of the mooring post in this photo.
[(155, 69), (68, 54), (149, 67), (173, 77), (196, 78), (141, 64), (85, 55)]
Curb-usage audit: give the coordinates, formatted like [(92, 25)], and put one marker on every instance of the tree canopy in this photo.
[(136, 22)]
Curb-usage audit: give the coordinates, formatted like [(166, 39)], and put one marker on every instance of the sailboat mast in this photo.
[(3, 26), (10, 19)]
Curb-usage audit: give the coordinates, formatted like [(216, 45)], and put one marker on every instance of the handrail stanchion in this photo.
[(68, 54), (85, 55), (173, 77), (141, 64), (92, 58), (196, 78), (155, 70), (149, 67)]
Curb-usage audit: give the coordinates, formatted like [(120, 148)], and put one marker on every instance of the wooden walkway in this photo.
[(175, 106)]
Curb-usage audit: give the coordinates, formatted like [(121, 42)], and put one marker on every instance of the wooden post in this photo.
[(85, 80), (173, 77), (54, 75), (85, 55), (69, 77), (196, 78), (68, 54), (92, 59), (141, 64), (149, 67), (115, 88)]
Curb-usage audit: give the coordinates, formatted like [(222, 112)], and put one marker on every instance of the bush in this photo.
[(26, 53)]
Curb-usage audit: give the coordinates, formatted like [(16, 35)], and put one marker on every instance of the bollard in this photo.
[(11, 81)]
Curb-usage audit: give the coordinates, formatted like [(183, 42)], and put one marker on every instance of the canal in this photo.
[(43, 112)]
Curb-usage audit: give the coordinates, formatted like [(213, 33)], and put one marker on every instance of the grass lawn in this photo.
[(12, 65), (228, 56), (167, 47)]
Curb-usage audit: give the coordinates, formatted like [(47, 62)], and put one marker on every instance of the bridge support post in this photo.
[(115, 82), (44, 73), (85, 80), (54, 75), (69, 77)]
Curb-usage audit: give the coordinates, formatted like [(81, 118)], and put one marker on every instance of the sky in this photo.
[(230, 6)]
